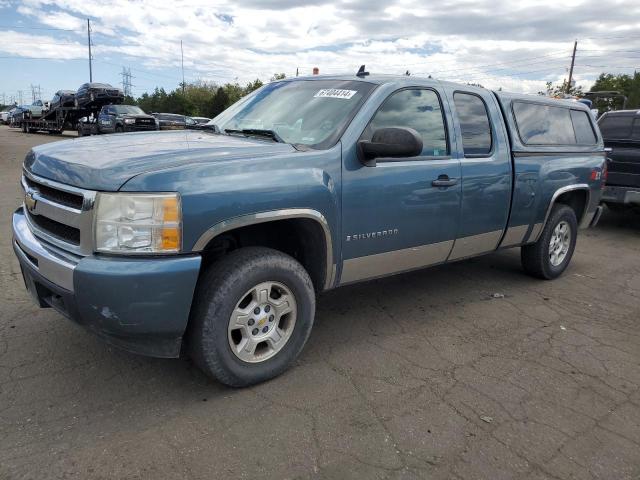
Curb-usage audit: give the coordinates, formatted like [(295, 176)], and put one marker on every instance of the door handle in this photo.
[(444, 181)]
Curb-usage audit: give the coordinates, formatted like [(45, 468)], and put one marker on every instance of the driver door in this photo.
[(403, 213), (107, 120)]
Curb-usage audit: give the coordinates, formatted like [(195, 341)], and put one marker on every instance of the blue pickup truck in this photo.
[(215, 242)]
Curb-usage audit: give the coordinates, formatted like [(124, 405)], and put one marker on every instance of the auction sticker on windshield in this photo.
[(335, 93)]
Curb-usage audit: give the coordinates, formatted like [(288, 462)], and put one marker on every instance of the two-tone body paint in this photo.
[(377, 220)]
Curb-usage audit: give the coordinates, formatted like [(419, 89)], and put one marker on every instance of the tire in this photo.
[(222, 289), (537, 259), (119, 129)]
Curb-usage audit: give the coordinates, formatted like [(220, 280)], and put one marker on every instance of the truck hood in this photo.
[(107, 162)]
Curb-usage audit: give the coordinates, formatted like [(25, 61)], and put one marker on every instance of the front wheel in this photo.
[(252, 315), (551, 254)]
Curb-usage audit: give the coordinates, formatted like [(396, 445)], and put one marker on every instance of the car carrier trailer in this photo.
[(57, 120)]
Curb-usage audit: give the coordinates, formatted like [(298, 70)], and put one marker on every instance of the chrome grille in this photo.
[(59, 214), (55, 195)]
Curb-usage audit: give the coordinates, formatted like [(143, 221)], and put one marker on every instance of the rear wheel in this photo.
[(551, 254), (119, 129), (252, 315)]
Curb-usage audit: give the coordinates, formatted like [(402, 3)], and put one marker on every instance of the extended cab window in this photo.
[(474, 124), (418, 109), (540, 124), (582, 128)]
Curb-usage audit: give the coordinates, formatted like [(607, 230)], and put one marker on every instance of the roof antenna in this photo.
[(361, 72)]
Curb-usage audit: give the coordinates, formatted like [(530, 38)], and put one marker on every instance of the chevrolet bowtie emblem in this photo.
[(30, 201)]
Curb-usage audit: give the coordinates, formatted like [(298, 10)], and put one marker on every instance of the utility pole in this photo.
[(89, 44), (182, 63), (296, 71), (573, 61), (184, 106)]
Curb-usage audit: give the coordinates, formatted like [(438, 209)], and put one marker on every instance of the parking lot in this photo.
[(467, 371)]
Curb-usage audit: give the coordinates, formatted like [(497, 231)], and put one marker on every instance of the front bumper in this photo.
[(132, 127), (622, 195), (139, 304)]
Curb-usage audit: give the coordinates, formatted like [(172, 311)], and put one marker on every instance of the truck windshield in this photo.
[(313, 113), (128, 109)]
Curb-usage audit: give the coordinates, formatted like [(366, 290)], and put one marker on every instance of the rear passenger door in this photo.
[(485, 161)]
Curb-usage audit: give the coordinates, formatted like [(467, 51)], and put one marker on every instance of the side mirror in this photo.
[(391, 142)]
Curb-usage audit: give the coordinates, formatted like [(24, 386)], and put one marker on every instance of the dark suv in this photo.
[(125, 118), (621, 132), (97, 94)]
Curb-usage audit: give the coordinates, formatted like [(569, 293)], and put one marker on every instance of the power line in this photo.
[(57, 44), (608, 66), (558, 52), (13, 57), (609, 37), (39, 28)]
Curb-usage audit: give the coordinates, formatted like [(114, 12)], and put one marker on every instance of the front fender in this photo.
[(215, 196)]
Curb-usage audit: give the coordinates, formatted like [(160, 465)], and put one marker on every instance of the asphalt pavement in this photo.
[(467, 371)]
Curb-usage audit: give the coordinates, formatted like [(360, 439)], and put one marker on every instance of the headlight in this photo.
[(129, 120), (138, 223)]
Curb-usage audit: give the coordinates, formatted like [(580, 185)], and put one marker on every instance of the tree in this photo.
[(220, 102), (560, 90), (277, 76), (628, 85), (251, 86), (199, 98)]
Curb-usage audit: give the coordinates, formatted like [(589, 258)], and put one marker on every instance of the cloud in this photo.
[(498, 43), (57, 19)]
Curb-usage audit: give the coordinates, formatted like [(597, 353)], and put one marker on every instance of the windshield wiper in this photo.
[(258, 132)]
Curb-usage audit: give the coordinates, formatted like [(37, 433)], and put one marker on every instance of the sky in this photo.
[(514, 45)]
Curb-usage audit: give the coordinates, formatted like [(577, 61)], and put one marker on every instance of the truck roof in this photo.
[(377, 79), (510, 97), (622, 113), (380, 79)]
